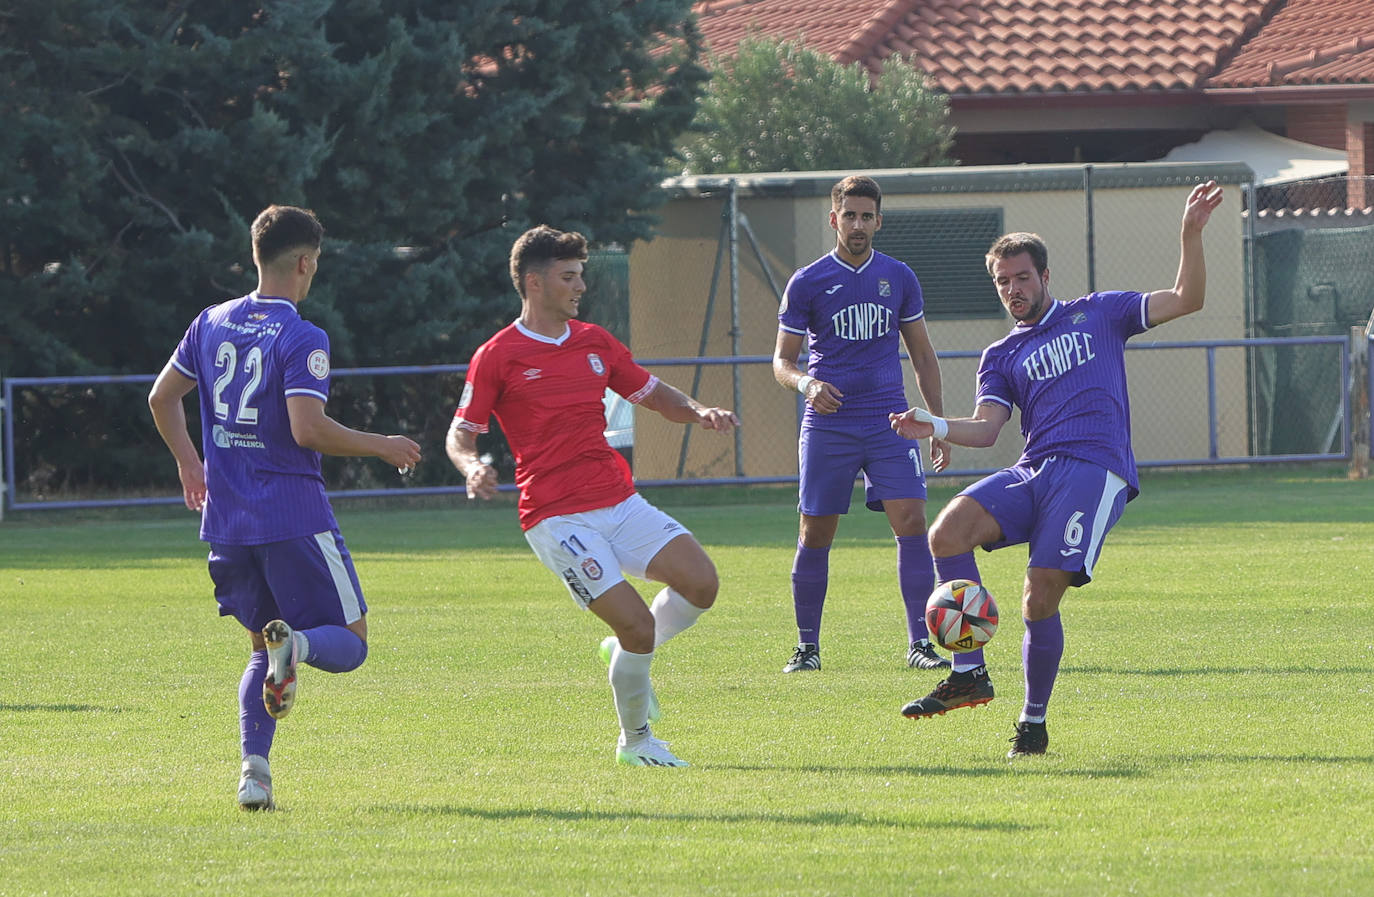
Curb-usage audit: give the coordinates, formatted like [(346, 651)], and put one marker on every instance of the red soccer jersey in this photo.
[(547, 395)]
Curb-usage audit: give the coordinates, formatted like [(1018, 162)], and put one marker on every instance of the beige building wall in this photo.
[(1137, 247)]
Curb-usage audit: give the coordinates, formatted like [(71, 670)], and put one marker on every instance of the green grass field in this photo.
[(1212, 730)]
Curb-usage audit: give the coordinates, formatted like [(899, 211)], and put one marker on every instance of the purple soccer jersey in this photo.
[(247, 356), (1067, 373), (852, 319)]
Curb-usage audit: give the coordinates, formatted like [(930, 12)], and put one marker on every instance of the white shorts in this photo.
[(589, 550)]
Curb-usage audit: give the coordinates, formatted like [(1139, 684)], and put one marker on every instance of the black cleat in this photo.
[(922, 656), (806, 657), (1030, 738), (970, 689)]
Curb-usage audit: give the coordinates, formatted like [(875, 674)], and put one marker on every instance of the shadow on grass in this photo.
[(1304, 759), (859, 820), (1221, 671), (57, 708), (1028, 765)]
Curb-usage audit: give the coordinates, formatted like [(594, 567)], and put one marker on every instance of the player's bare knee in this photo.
[(636, 637)]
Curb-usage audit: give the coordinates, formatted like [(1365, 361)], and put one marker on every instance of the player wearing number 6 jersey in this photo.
[(1064, 366), (277, 559), (544, 377), (853, 305)]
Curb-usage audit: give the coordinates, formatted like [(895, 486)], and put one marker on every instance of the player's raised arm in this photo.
[(677, 406), (1190, 287)]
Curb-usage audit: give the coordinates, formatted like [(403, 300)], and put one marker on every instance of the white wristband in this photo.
[(805, 381), (939, 423)]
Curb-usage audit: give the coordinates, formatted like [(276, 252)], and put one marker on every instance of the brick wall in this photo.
[(1323, 125)]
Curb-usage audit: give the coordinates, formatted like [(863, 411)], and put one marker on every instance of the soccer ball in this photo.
[(961, 615)]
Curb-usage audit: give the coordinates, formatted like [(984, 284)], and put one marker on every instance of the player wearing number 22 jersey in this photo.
[(277, 559), (252, 353)]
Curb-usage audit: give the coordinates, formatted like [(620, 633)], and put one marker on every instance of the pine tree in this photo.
[(142, 138)]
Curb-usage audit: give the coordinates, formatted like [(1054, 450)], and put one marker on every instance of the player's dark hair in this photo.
[(279, 229), (1009, 245), (540, 247), (856, 185)]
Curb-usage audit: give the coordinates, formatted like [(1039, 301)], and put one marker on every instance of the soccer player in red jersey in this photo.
[(544, 377)]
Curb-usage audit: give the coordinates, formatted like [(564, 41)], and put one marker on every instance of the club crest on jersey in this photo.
[(595, 361), (591, 569), (318, 363), (884, 288)]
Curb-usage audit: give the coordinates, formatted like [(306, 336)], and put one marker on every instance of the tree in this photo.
[(142, 137), (777, 105)]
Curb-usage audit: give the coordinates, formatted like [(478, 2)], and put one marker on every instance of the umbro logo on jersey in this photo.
[(533, 374), (831, 291)]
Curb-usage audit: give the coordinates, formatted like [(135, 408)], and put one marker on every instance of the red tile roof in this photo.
[(991, 47), (1307, 42)]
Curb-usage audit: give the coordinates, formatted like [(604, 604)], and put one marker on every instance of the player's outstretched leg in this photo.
[(255, 784), (968, 689), (1030, 738), (609, 644), (643, 749), (283, 654)]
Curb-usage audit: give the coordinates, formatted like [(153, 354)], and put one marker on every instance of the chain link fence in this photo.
[(1264, 372)]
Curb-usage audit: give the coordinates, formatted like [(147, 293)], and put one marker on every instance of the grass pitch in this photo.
[(1210, 732)]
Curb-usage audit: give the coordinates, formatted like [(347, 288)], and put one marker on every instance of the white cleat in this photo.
[(607, 649), (255, 784), (646, 750), (279, 686)]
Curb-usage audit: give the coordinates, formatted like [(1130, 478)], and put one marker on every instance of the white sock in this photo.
[(672, 614), (630, 686)]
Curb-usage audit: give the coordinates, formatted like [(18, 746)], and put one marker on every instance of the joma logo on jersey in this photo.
[(1060, 355), (595, 361), (861, 321)]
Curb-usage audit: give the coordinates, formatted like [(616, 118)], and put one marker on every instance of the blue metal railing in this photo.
[(1213, 404)]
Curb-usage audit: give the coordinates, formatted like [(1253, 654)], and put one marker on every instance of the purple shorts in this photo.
[(1063, 507), (829, 461), (307, 582)]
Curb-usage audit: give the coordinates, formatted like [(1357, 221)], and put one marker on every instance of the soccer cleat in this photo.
[(646, 750), (279, 686), (608, 646), (922, 656), (970, 689), (255, 784), (1030, 738), (806, 657)]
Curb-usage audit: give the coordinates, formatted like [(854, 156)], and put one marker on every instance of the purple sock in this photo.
[(1041, 649), (256, 728), (810, 578), (335, 649), (960, 566), (916, 577)]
